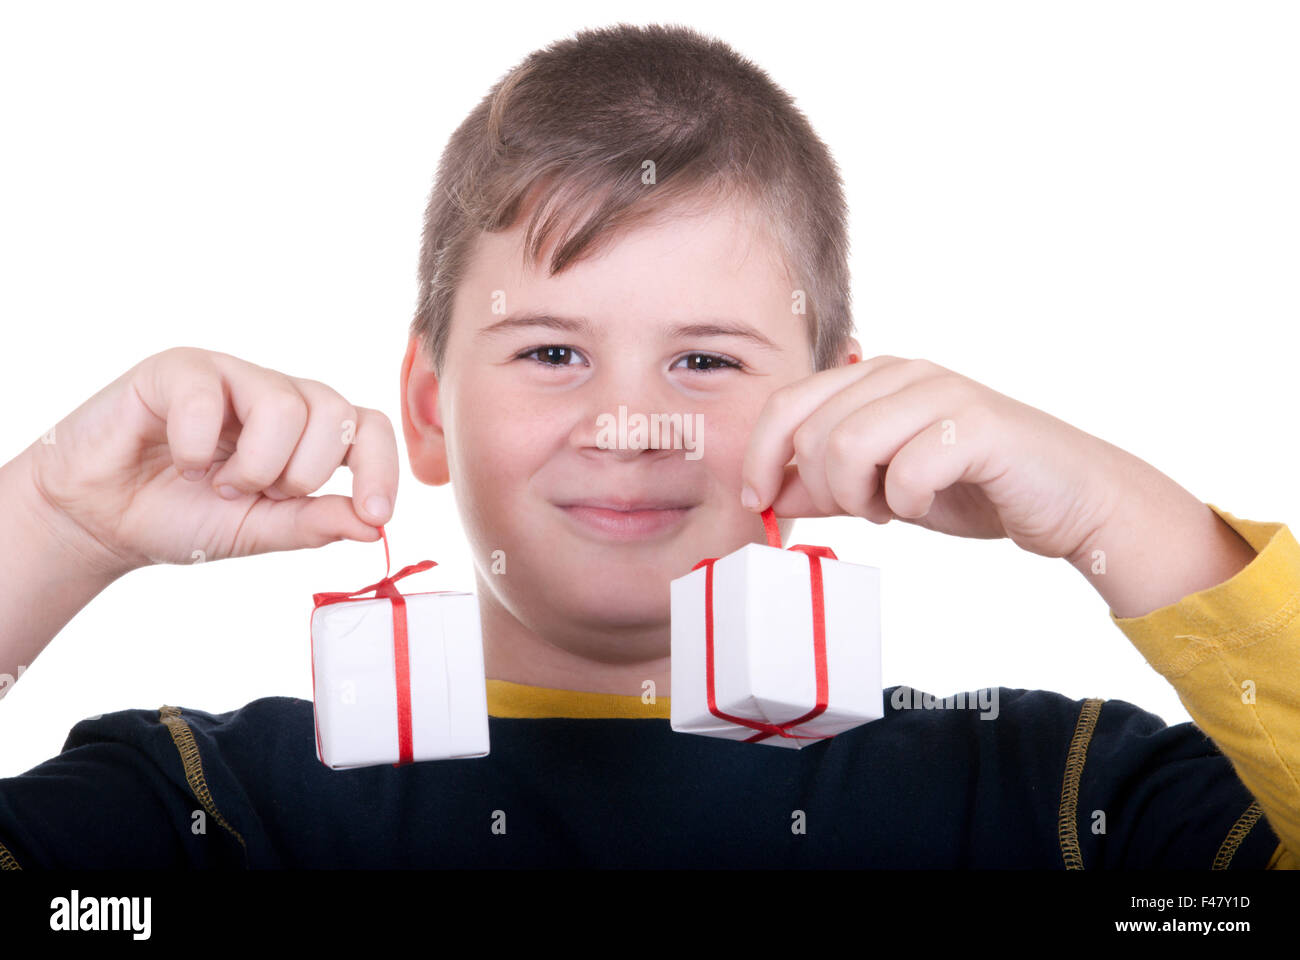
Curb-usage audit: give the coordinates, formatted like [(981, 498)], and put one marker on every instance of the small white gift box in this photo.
[(397, 678), (749, 658)]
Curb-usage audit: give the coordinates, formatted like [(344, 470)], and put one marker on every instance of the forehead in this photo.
[(693, 257)]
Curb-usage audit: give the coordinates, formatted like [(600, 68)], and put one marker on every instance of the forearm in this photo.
[(1161, 544), (45, 577), (1232, 652)]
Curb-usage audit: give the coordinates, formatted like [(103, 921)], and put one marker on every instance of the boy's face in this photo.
[(591, 536)]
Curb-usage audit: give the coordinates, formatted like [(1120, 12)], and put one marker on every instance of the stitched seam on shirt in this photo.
[(1237, 834), (1280, 854), (1068, 819), (183, 737), (7, 861), (1235, 685), (1203, 647)]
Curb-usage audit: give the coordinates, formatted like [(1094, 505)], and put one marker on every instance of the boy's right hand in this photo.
[(133, 476)]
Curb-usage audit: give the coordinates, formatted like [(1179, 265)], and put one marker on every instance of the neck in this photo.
[(574, 660)]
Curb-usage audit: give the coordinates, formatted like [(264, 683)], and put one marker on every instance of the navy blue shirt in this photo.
[(1051, 783)]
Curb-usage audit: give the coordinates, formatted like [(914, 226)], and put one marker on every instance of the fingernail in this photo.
[(377, 506), (193, 474), (748, 497), (227, 492)]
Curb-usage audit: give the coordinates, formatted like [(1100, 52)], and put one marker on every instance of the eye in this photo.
[(709, 362), (551, 355)]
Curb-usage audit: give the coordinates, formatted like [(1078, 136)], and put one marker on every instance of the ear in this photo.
[(426, 445), (851, 352)]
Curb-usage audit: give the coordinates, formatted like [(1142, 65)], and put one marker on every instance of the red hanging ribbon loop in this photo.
[(384, 588), (387, 589), (815, 555)]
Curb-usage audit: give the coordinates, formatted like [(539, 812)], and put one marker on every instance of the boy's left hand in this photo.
[(907, 439)]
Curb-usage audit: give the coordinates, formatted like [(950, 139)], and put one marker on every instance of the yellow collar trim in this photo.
[(508, 699)]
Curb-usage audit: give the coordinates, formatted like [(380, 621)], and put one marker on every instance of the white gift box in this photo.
[(354, 685), (764, 661)]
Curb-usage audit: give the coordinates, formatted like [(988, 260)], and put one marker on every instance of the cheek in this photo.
[(499, 442), (726, 428)]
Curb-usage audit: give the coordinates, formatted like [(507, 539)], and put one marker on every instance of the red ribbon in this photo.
[(386, 589), (819, 638)]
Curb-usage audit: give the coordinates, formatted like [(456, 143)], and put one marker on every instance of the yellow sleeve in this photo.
[(1232, 652)]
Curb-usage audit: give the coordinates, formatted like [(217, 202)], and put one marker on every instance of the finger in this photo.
[(794, 500), (323, 445), (812, 438), (928, 464), (878, 508), (372, 457), (771, 441), (862, 445), (184, 389), (301, 523), (272, 414)]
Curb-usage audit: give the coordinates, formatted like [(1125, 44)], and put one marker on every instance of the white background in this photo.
[(1091, 207)]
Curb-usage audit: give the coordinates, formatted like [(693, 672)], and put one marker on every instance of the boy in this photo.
[(639, 217)]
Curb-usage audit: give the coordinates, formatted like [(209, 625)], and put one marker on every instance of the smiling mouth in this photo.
[(624, 520)]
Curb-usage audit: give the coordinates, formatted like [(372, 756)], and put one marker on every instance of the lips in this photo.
[(624, 519), (626, 505)]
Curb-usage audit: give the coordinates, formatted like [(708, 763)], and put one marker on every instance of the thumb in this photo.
[(304, 522), (793, 498)]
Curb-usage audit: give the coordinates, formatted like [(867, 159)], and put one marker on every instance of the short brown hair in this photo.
[(567, 131)]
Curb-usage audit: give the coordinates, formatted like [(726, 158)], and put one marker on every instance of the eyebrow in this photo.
[(582, 326)]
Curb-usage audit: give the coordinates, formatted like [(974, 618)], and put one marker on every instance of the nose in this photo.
[(625, 414)]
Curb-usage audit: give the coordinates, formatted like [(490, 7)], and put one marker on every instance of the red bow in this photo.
[(819, 638), (386, 589)]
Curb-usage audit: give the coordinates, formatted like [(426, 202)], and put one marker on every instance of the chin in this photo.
[(636, 601)]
